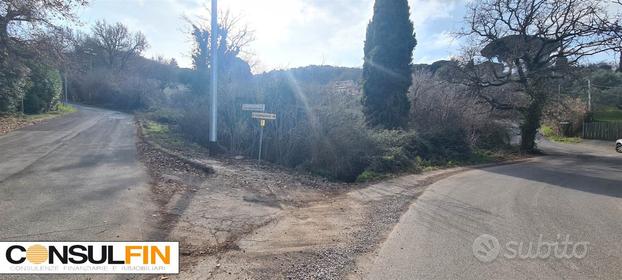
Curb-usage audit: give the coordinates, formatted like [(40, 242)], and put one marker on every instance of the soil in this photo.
[(9, 123), (250, 221)]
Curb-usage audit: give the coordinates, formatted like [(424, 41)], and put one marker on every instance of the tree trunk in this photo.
[(531, 124), (620, 65)]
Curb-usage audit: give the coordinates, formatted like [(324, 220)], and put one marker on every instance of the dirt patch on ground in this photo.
[(9, 123), (323, 240), (246, 221)]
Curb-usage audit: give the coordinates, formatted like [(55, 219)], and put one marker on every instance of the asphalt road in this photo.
[(74, 178), (570, 199)]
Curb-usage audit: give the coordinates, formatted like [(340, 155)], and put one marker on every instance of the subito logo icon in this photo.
[(37, 254), (486, 248)]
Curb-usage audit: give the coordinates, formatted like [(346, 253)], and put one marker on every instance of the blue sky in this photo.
[(289, 33)]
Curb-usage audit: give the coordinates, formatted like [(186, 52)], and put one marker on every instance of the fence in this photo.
[(602, 130)]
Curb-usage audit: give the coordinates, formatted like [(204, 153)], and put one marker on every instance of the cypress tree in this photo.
[(387, 68)]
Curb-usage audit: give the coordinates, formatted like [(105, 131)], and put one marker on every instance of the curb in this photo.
[(194, 163)]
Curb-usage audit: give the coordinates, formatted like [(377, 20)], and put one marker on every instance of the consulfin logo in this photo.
[(89, 257)]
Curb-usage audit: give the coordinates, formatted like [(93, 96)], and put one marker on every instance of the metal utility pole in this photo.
[(589, 95), (214, 45)]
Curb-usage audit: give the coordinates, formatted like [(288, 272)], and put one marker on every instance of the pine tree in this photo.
[(387, 69)]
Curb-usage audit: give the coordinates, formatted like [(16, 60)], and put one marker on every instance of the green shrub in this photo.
[(65, 108), (164, 115), (442, 146), (369, 176), (492, 136), (550, 134), (342, 147), (45, 91), (547, 131), (194, 123), (14, 83), (152, 127), (396, 151)]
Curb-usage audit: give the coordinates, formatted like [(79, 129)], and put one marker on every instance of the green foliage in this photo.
[(29, 33), (606, 89), (550, 134), (152, 127), (610, 114), (408, 151), (230, 43), (164, 115), (492, 137), (547, 131), (370, 176), (397, 151), (387, 68), (341, 145), (14, 84), (314, 74), (65, 108), (322, 131), (39, 86), (45, 91), (443, 146)]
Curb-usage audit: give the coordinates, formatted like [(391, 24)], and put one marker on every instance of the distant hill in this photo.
[(316, 74)]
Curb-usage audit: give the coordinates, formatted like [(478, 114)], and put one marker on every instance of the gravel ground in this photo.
[(246, 221)]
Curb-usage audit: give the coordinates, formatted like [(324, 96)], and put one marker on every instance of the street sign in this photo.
[(254, 107), (262, 123), (264, 116)]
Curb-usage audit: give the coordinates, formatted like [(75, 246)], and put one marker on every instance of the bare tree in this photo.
[(616, 32), (529, 43), (234, 39), (25, 32), (23, 21), (117, 44)]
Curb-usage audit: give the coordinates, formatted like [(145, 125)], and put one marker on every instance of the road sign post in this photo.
[(254, 107), (264, 116), (262, 124)]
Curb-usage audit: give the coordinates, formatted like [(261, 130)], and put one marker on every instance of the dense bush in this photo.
[(37, 85), (341, 145), (565, 109), (442, 109), (45, 90), (119, 90), (397, 151), (320, 127), (316, 129), (194, 122), (401, 151), (13, 87)]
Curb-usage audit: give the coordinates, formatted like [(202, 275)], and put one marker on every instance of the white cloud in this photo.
[(444, 39), (424, 11), (288, 32)]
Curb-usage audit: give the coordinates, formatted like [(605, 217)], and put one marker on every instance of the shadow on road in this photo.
[(597, 173)]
